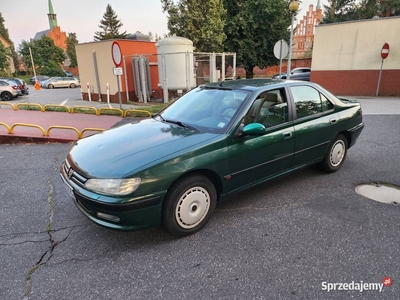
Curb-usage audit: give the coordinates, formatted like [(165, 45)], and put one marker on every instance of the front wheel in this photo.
[(72, 86), (336, 154), (189, 205), (50, 86)]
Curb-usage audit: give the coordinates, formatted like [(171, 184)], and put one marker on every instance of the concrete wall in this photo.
[(347, 57)]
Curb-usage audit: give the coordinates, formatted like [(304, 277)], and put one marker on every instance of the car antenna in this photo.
[(221, 83)]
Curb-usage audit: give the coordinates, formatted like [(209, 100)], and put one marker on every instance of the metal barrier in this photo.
[(84, 107), (90, 129), (96, 111), (109, 108), (26, 125), (136, 110), (56, 105), (28, 104), (6, 103), (63, 127), (8, 127)]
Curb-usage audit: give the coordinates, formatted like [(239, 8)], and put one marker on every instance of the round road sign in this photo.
[(385, 51), (116, 54), (281, 49)]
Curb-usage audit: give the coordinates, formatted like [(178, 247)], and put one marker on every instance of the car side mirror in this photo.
[(254, 129)]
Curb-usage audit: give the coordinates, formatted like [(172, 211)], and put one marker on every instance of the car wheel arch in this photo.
[(210, 174)]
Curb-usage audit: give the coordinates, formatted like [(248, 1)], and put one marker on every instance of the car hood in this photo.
[(120, 151)]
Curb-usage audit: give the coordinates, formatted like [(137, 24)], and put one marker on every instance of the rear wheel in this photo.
[(336, 154), (189, 205), (6, 96)]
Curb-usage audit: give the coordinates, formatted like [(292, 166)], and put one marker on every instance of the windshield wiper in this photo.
[(158, 115), (179, 123)]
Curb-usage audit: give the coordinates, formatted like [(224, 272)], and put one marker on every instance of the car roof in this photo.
[(248, 84)]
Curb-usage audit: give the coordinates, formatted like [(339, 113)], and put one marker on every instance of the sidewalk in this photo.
[(46, 119)]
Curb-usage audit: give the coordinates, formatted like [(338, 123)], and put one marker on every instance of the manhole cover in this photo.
[(380, 192)]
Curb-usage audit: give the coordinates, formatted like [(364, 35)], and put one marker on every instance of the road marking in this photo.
[(65, 101)]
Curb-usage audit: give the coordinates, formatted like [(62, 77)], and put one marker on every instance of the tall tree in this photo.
[(5, 34), (4, 31), (109, 25), (4, 60), (47, 57), (252, 28), (201, 21), (71, 51)]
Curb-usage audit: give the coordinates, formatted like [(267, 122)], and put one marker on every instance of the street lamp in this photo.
[(293, 7)]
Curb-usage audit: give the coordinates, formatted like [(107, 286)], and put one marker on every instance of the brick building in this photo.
[(303, 36), (54, 32)]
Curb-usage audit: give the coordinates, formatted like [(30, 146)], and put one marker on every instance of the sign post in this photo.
[(117, 59), (281, 49), (384, 53)]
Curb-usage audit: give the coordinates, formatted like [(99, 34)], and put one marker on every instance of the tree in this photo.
[(110, 25), (201, 21), (351, 10), (252, 29), (4, 33), (71, 51), (4, 60), (47, 57)]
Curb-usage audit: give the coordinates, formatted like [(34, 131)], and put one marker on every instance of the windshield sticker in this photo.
[(221, 124)]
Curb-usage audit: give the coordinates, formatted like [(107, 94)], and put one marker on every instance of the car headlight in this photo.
[(117, 187)]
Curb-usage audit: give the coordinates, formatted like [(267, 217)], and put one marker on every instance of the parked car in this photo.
[(7, 92), (296, 74), (217, 140), (22, 85), (68, 73), (14, 85), (38, 78), (58, 82)]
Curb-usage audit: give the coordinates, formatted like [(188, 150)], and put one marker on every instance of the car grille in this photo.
[(73, 175)]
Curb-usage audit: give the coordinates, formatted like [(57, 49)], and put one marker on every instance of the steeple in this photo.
[(319, 4), (52, 16)]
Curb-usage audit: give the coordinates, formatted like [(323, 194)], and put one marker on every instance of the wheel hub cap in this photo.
[(192, 207), (337, 153)]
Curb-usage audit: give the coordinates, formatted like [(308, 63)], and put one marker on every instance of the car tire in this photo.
[(6, 96), (50, 86), (72, 86), (188, 205), (335, 155)]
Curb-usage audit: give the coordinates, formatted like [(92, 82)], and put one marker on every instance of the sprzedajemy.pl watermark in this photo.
[(356, 286)]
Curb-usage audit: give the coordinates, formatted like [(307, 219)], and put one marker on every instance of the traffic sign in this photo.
[(281, 49), (116, 54), (385, 51), (117, 71)]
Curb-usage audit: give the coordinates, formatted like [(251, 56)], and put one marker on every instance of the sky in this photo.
[(83, 16)]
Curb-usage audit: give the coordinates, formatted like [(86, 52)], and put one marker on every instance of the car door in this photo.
[(255, 158), (315, 123)]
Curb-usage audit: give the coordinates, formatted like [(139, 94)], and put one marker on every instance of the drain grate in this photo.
[(384, 193)]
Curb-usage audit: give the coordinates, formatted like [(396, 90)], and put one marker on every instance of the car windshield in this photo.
[(205, 109)]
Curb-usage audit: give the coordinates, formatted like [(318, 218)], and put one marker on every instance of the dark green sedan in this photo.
[(216, 140)]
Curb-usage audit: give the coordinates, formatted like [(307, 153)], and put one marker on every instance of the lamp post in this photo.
[(293, 7)]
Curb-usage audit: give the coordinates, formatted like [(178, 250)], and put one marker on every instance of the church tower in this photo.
[(52, 17)]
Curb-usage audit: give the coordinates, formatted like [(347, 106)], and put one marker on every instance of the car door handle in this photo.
[(333, 120), (287, 134)]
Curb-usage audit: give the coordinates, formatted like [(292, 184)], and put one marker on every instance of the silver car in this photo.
[(58, 82)]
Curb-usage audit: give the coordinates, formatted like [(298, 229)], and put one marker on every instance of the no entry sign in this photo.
[(385, 51)]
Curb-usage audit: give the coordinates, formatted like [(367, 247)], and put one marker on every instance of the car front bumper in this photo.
[(121, 214)]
